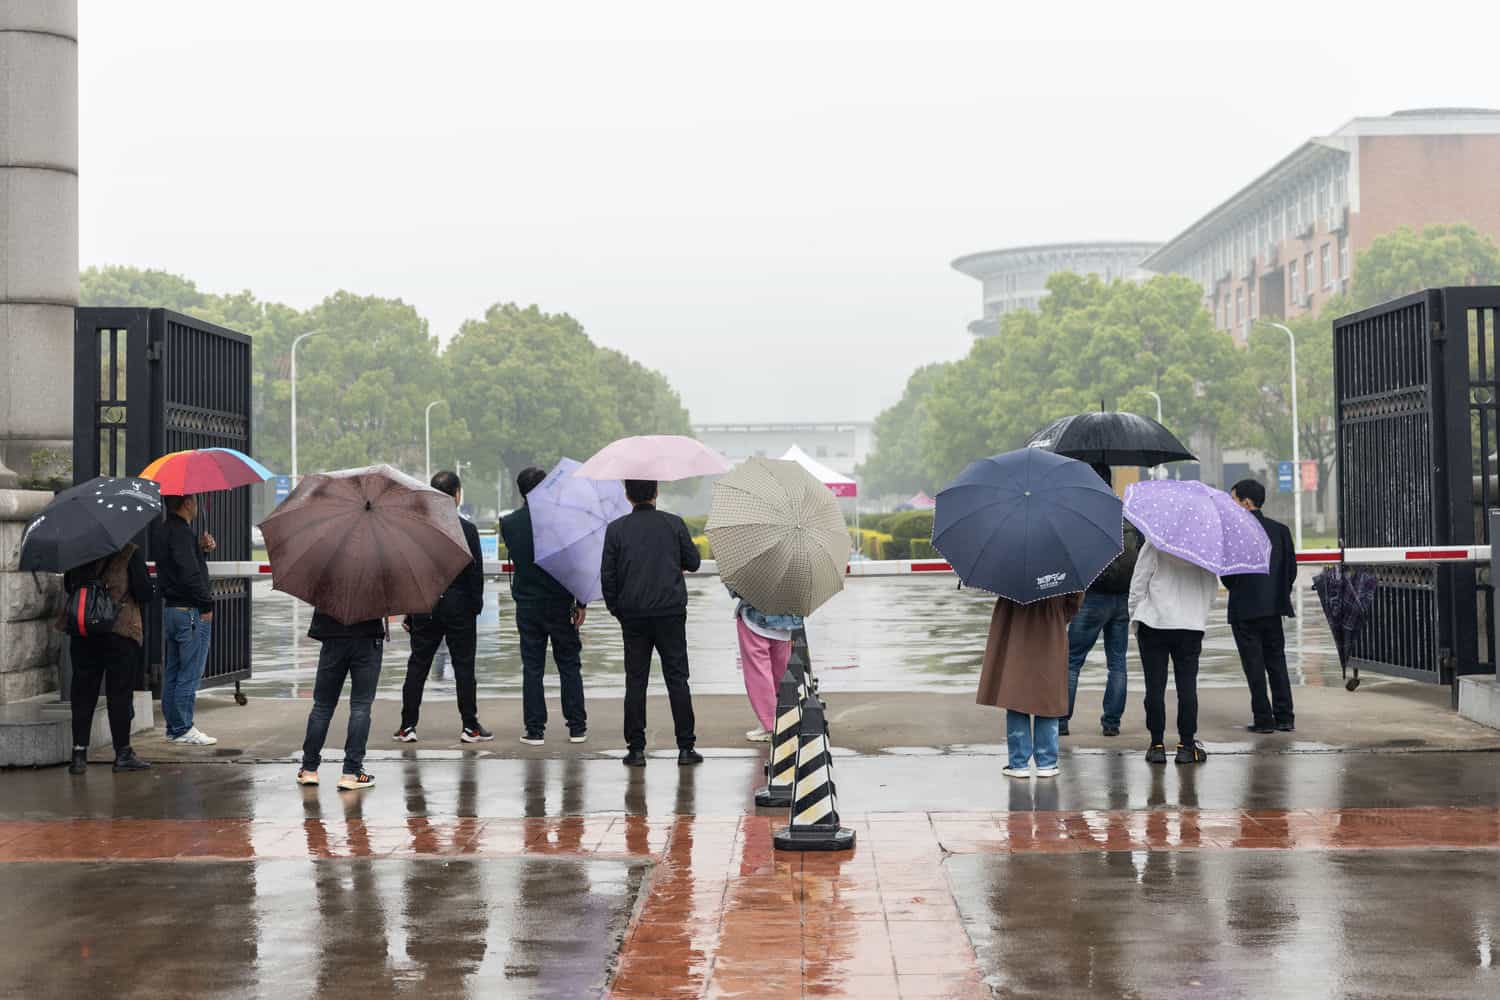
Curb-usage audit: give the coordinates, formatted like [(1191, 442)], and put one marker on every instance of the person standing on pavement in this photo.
[(545, 612), (1170, 601), (187, 616), (646, 553), (765, 647), (353, 652), (1257, 603), (1026, 673), (108, 660), (1105, 610), (454, 620)]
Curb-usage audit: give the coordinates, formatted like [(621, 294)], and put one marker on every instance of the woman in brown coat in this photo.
[(1026, 673)]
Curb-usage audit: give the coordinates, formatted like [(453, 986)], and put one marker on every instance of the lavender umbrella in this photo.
[(568, 518), (663, 457), (1199, 524)]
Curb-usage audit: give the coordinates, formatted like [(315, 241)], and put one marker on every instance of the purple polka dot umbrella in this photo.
[(1200, 524)]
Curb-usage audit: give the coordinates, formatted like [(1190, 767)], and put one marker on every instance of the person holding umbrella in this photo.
[(187, 616)]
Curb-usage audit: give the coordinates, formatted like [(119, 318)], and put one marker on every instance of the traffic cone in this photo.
[(800, 659), (815, 817), (781, 766)]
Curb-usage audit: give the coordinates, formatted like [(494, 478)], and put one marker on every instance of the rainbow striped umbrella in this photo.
[(204, 470)]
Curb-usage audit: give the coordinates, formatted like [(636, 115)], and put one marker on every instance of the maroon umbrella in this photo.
[(365, 543)]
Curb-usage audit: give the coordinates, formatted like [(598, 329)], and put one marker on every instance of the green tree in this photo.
[(897, 466), (1405, 261)]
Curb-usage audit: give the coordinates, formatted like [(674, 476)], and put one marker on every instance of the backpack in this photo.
[(1116, 576), (90, 610)]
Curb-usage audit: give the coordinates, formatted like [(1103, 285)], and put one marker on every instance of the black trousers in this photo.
[(427, 633), (668, 636), (537, 625), (109, 661), (1262, 645), (1183, 647)]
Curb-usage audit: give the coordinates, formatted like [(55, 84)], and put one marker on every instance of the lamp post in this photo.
[(1291, 340), (1158, 472), (427, 421), (310, 333)]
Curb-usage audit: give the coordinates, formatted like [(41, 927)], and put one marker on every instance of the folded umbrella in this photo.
[(1028, 525), (1346, 596), (1111, 438), (568, 518), (1199, 524), (88, 522), (778, 537), (663, 457), (204, 470), (365, 543)]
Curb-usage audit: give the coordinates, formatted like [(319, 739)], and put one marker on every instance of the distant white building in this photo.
[(840, 445), (1016, 277)]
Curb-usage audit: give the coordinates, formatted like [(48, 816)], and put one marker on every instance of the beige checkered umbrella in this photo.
[(778, 536)]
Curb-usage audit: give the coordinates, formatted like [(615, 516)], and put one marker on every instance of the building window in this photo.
[(1296, 281), (1344, 258), (1307, 273), (1253, 312), (1327, 263), (1239, 306)]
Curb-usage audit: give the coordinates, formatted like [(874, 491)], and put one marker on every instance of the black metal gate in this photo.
[(152, 381), (1415, 400)]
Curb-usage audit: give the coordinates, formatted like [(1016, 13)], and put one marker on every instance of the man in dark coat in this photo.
[(545, 612), (454, 620), (645, 554), (1106, 611), (1257, 603)]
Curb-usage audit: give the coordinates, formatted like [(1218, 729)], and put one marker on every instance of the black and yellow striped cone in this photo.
[(800, 660), (782, 765), (815, 815)]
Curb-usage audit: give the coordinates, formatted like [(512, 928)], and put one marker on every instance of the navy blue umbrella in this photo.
[(1028, 525)]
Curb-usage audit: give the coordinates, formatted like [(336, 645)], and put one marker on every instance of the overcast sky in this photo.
[(761, 200)]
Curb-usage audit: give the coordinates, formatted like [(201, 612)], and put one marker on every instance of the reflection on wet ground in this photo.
[(880, 634)]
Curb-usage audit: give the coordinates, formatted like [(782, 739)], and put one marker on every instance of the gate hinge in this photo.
[(1437, 332), (153, 351)]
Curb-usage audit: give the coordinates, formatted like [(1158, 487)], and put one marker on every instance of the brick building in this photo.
[(1285, 243)]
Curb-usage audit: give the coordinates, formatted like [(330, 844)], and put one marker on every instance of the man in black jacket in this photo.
[(545, 611), (1106, 610), (1257, 603), (645, 555), (454, 620), (187, 616), (352, 651)]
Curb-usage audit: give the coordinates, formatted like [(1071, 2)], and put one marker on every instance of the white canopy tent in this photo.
[(841, 485)]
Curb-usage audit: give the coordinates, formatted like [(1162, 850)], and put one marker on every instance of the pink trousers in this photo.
[(763, 661)]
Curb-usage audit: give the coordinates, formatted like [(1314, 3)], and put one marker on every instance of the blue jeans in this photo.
[(1028, 735), (1110, 614), (358, 660), (187, 636)]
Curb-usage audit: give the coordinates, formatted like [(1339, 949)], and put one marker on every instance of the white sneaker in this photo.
[(1016, 772), (582, 737), (533, 741), (1046, 772), (196, 737), (758, 735)]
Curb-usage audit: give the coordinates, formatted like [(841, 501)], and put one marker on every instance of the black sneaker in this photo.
[(1194, 754), (1111, 730), (406, 734), (1261, 727), (80, 762), (635, 758), (1286, 727), (1157, 754), (686, 757), (476, 734), (1062, 727), (126, 760)]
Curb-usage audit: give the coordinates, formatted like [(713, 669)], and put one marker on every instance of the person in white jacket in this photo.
[(1170, 601)]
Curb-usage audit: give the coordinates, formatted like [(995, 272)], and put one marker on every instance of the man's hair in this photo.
[(1252, 490), (174, 504), (447, 482), (530, 478), (640, 490), (1102, 471)]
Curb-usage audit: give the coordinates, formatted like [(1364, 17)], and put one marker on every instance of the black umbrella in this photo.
[(88, 522), (1346, 596), (1111, 439)]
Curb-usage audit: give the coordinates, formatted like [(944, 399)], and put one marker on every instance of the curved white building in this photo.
[(1016, 277)]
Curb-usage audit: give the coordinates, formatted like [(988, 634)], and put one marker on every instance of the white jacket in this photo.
[(1168, 592)]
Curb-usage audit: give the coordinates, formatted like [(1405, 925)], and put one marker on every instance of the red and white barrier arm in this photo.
[(1399, 554)]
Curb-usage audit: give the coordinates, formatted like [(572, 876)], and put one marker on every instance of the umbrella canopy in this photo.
[(568, 518), (365, 543), (778, 537), (204, 470), (1111, 439), (1199, 524), (663, 457), (88, 522), (1346, 596), (1028, 525), (840, 485)]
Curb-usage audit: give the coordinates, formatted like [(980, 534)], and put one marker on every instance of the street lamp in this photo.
[(1158, 472), (310, 333), (427, 421), (1291, 340)]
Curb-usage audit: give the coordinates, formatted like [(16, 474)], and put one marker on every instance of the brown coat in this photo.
[(1026, 658), (114, 572)]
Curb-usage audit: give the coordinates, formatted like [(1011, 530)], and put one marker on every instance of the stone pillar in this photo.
[(38, 230), (29, 646)]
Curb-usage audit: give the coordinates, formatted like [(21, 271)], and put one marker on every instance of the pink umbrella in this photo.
[(662, 457)]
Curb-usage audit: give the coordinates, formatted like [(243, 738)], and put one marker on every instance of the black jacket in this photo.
[(530, 585), (181, 567), (464, 597), (326, 627), (645, 554), (1117, 575), (1255, 595)]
